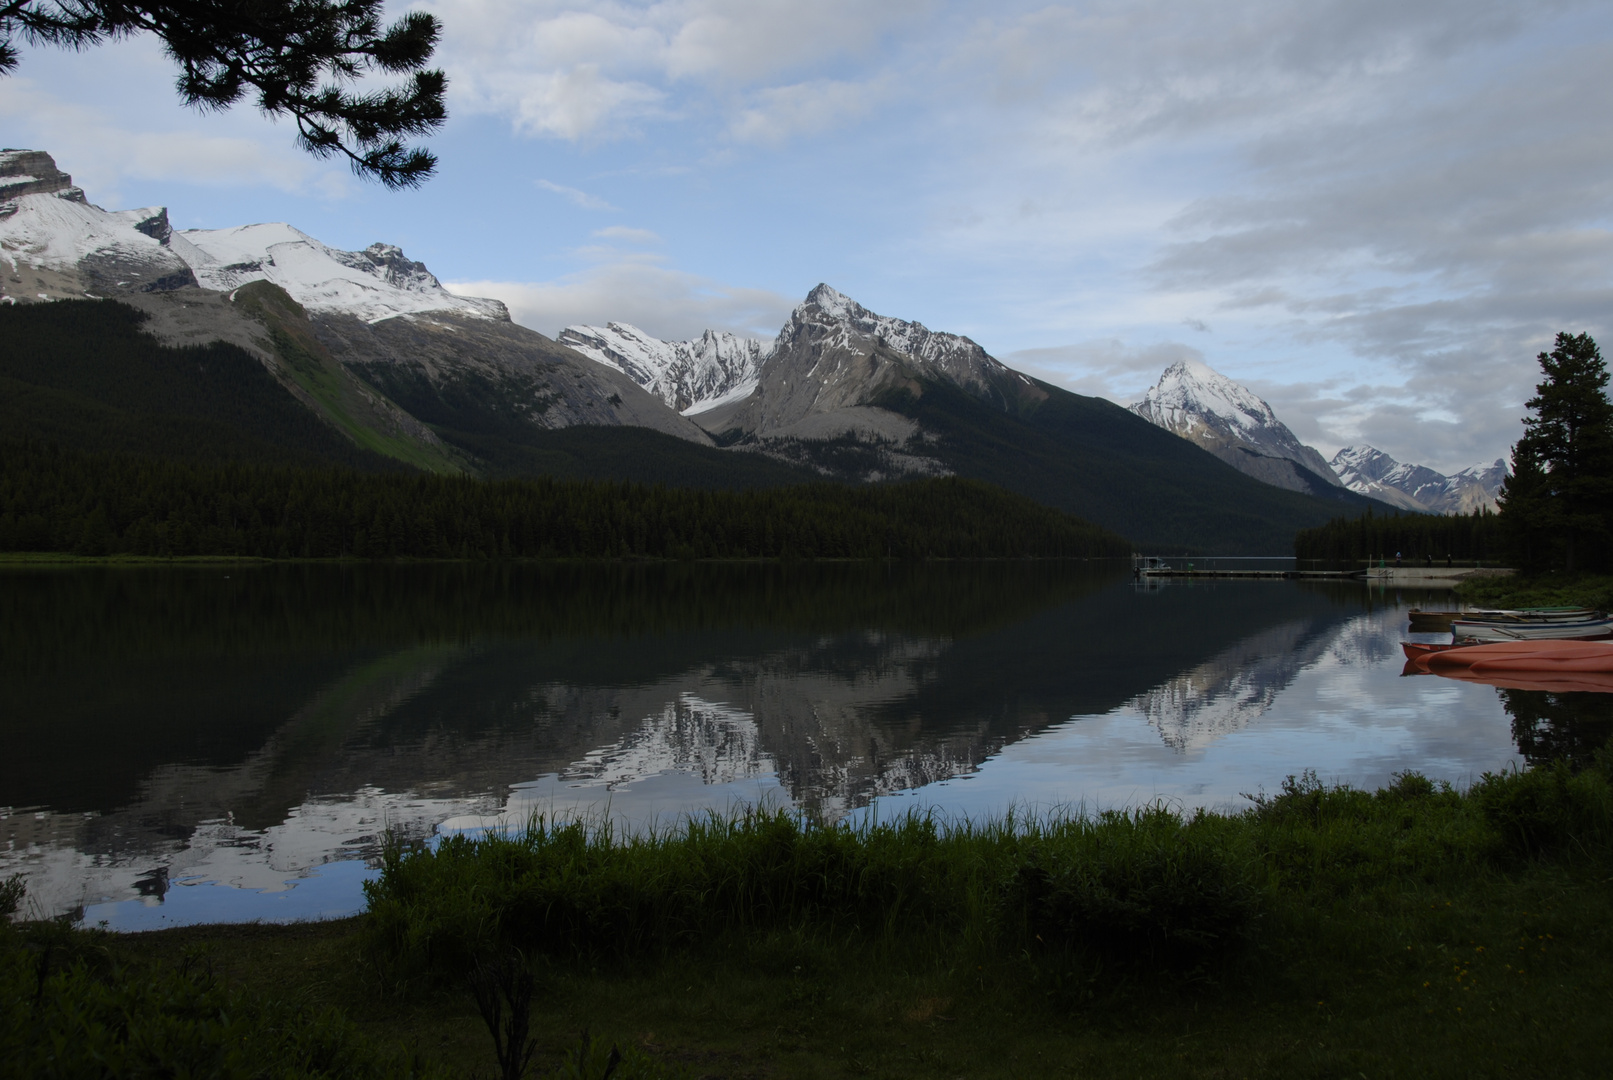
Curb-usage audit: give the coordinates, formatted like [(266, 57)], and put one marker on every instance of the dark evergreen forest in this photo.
[(1417, 537), (54, 499)]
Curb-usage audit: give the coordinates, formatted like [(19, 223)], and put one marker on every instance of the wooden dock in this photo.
[(1269, 575)]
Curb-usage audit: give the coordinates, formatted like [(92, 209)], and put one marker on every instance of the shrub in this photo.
[(66, 1009)]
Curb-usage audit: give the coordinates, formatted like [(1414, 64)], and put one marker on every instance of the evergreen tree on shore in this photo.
[(1557, 506)]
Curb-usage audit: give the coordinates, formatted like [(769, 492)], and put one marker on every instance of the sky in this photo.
[(1374, 213)]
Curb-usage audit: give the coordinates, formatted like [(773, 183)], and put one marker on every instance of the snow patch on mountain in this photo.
[(1372, 472), (1224, 417), (690, 376)]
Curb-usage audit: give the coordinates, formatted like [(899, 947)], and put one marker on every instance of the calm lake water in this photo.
[(226, 743)]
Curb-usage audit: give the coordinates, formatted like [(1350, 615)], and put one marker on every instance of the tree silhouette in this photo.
[(297, 58), (1559, 499)]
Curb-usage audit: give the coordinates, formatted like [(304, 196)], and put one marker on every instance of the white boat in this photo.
[(1497, 630)]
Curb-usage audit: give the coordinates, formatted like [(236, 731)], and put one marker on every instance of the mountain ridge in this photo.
[(1372, 472)]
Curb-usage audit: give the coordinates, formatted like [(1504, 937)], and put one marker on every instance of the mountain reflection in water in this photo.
[(168, 726)]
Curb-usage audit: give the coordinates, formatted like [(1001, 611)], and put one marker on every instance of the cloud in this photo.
[(781, 113), (603, 69), (577, 197), (627, 234), (570, 103), (751, 40), (1106, 368), (668, 303)]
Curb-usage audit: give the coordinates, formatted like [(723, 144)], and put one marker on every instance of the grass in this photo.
[(1543, 590), (1412, 931)]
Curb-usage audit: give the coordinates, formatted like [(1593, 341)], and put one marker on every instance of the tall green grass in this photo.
[(1148, 889)]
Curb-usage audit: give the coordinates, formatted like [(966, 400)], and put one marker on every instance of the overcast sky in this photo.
[(1374, 213)]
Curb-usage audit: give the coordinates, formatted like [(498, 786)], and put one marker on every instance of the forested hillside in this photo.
[(1091, 457), (52, 499), (1416, 537), (82, 374)]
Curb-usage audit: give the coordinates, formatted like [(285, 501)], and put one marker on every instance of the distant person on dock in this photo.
[(1397, 560)]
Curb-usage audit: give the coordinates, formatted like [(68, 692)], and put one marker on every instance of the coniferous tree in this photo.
[(297, 58), (1558, 504)]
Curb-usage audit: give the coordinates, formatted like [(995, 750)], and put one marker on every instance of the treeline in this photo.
[(58, 500), (1416, 538)]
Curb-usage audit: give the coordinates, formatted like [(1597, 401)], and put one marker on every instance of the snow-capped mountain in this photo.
[(58, 245), (690, 376), (1210, 410), (1371, 472)]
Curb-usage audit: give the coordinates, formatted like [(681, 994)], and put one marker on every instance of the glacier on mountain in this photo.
[(1372, 472), (1224, 417)]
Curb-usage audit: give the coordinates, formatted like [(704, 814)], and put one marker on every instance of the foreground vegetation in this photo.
[(53, 499), (1540, 590), (1414, 931)]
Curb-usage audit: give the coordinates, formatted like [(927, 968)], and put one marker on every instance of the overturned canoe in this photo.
[(1418, 650), (1574, 663), (1467, 656)]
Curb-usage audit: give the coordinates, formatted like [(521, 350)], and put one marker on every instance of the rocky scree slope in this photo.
[(1415, 487)]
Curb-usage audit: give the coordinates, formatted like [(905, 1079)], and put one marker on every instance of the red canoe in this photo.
[(1577, 663), (1523, 651)]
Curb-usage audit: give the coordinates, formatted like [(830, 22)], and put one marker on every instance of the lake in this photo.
[(224, 743)]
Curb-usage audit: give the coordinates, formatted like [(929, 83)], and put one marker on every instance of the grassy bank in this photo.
[(1545, 590), (1413, 931)]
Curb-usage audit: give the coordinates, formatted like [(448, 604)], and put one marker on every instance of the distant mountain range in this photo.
[(1415, 487), (1233, 423), (373, 345)]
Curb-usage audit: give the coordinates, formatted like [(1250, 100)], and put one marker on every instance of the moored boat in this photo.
[(1487, 630), (1541, 652), (1425, 622)]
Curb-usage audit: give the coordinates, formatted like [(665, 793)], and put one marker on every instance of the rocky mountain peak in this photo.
[(34, 172), (1235, 424), (1191, 394)]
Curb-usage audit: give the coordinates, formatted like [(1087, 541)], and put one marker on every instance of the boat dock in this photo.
[(1150, 566), (1302, 575)]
